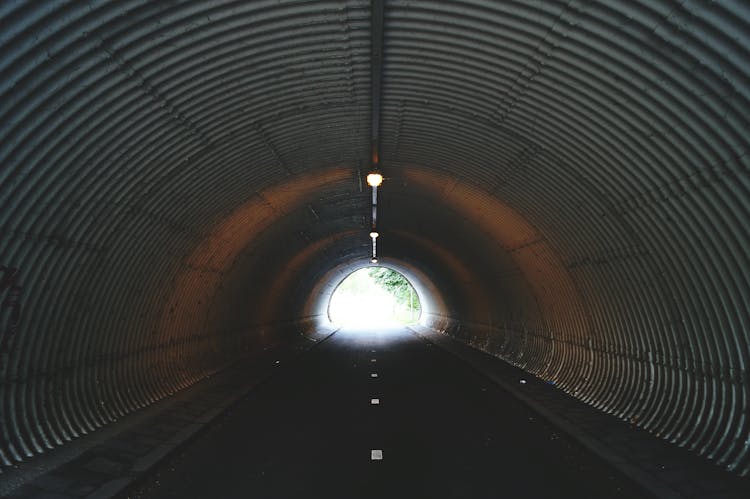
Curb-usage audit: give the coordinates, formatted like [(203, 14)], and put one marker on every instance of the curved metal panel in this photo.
[(594, 194)]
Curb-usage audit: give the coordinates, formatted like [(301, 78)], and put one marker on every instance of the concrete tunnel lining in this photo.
[(579, 171)]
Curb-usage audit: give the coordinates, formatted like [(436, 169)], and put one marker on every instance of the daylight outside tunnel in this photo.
[(184, 185), (374, 296)]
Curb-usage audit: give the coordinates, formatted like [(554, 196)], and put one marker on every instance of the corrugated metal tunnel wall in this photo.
[(569, 180)]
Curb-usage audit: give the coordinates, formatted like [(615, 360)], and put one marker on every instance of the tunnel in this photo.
[(184, 184)]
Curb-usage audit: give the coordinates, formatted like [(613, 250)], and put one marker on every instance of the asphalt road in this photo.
[(444, 431)]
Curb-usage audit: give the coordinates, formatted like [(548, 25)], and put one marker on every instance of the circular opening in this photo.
[(374, 296)]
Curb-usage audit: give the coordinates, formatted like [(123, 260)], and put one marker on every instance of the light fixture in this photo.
[(374, 179)]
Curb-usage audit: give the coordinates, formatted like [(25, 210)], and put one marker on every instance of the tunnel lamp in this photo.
[(374, 179), (374, 235)]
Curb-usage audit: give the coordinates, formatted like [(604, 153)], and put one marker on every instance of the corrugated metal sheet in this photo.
[(619, 131), (600, 150)]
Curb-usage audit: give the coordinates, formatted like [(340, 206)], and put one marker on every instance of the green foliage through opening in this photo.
[(397, 285), (374, 296)]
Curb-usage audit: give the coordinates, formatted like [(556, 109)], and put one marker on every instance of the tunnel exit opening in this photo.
[(374, 297)]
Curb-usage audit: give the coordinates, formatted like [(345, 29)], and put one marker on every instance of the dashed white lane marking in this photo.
[(376, 455), (375, 401), (373, 375), (373, 360)]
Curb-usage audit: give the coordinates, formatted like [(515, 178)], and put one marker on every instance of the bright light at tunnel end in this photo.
[(374, 297)]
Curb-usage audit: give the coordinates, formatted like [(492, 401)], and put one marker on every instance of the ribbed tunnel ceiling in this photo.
[(569, 179)]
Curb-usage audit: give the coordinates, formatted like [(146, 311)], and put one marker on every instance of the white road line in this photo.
[(373, 360), (375, 401), (373, 375), (376, 455)]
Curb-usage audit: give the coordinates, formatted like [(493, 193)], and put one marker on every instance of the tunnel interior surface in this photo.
[(565, 184)]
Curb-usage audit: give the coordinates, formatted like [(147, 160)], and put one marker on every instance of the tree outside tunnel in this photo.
[(374, 296)]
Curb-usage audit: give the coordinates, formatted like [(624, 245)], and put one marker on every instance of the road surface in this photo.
[(313, 430)]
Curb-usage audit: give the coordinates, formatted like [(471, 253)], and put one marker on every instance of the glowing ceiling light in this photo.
[(374, 179), (374, 235)]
